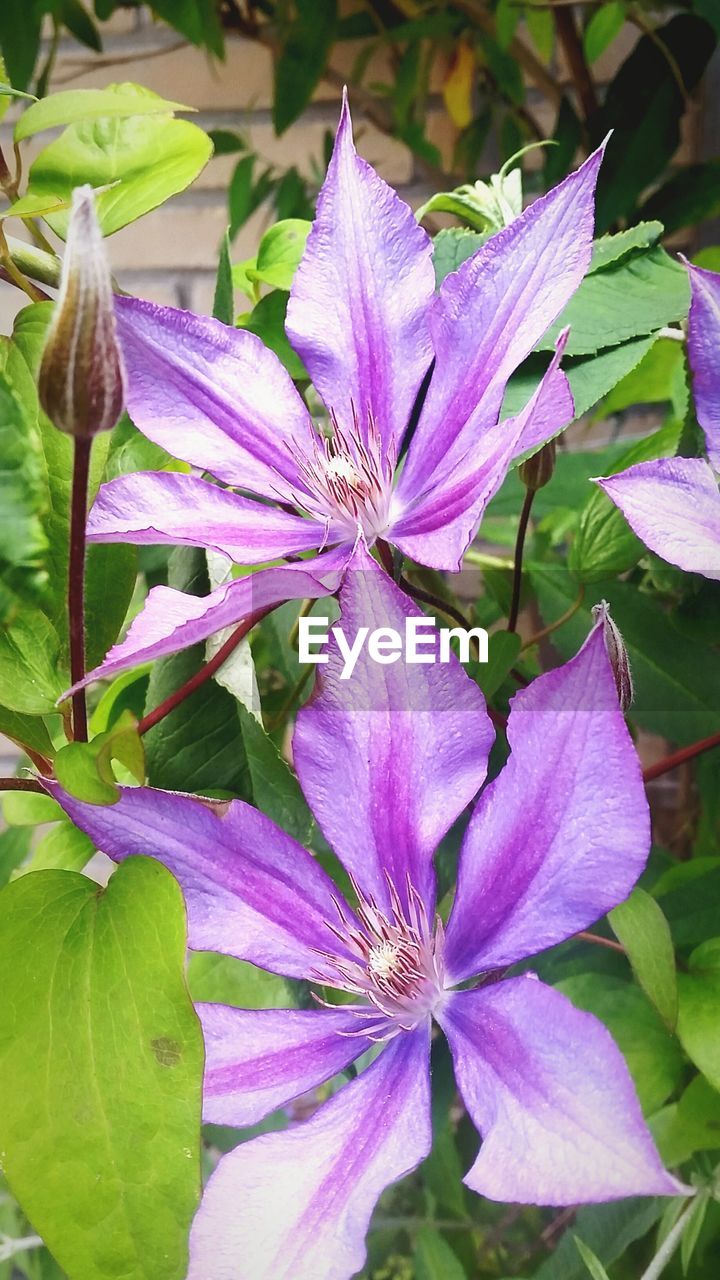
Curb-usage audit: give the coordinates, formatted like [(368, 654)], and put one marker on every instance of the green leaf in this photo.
[(267, 320), (34, 206), (302, 59), (26, 731), (653, 1055), (677, 681), (197, 20), (698, 1023), (694, 1123), (281, 249), (590, 377), (79, 23), (644, 106), (451, 247), (434, 1259), (276, 790), (30, 679), (625, 300), (641, 927), (604, 25), (655, 380), (22, 540), (592, 1262), (74, 105), (199, 745), (605, 544), (85, 768), (28, 809), (693, 1226), (225, 980), (143, 159), (224, 299), (101, 1061), (63, 847), (19, 40), (246, 193), (608, 1229), (609, 249), (14, 848)]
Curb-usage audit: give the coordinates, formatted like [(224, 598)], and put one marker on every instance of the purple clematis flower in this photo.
[(673, 504), (388, 761), (364, 316)]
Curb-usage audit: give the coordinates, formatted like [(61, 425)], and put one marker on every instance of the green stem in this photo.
[(35, 262)]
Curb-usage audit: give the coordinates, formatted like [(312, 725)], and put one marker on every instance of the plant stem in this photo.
[(435, 602), (572, 45), (559, 622), (680, 757), (517, 569), (668, 1246), (76, 581), (203, 675), (22, 784), (35, 262), (600, 942)]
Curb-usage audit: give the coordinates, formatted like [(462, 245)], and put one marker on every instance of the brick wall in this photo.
[(170, 255)]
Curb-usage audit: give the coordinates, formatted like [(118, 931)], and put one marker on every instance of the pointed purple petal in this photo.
[(250, 890), (358, 306), (552, 1097), (704, 355), (439, 525), (167, 507), (256, 1060), (170, 620), (214, 396), (389, 757), (673, 505), (563, 833), (296, 1204), (492, 311)]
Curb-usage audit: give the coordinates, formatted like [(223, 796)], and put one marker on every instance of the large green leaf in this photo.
[(225, 980), (74, 105), (591, 377), (26, 730), (641, 927), (652, 1054), (275, 788), (607, 1229), (31, 678), (635, 296), (199, 745), (147, 159), (698, 1022), (302, 59), (100, 1069)]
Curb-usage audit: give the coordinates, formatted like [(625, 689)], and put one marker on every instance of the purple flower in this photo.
[(364, 316), (673, 504), (388, 761)]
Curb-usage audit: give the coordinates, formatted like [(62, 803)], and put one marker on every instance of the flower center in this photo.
[(395, 962), (348, 477)]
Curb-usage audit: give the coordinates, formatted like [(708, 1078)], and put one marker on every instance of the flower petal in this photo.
[(490, 314), (552, 1097), (439, 525), (391, 756), (256, 1060), (358, 303), (250, 890), (704, 354), (214, 396), (170, 620), (296, 1204), (563, 832), (167, 507), (673, 505)]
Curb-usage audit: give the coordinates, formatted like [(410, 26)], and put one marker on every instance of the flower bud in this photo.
[(81, 383), (536, 471), (617, 655)]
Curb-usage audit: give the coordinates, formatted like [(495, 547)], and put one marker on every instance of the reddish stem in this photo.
[(76, 581), (202, 676), (519, 548), (601, 942), (680, 757), (22, 784)]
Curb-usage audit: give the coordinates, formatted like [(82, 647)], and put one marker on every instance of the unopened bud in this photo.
[(536, 471), (81, 382), (617, 655)]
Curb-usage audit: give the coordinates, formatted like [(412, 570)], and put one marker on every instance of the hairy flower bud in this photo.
[(81, 382), (536, 471), (617, 654)]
